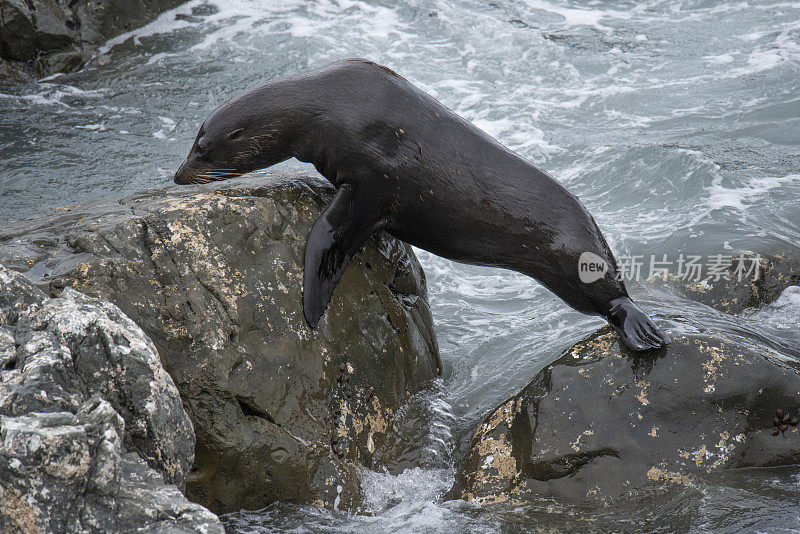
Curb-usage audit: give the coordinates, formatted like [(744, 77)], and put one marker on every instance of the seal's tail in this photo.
[(634, 327)]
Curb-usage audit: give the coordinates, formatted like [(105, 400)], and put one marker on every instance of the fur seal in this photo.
[(404, 163)]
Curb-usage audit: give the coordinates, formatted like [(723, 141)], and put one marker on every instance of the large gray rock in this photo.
[(214, 277), (101, 20), (29, 27), (41, 37), (90, 423), (600, 423)]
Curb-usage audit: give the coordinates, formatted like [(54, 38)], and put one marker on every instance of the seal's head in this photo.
[(233, 141)]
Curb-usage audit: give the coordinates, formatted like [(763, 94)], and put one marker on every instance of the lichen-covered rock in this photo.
[(85, 406), (740, 284), (75, 345), (40, 37), (214, 276), (600, 422)]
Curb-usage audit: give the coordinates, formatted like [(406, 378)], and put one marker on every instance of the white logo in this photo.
[(591, 267)]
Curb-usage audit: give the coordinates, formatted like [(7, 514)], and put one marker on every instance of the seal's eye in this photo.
[(202, 151), (235, 134)]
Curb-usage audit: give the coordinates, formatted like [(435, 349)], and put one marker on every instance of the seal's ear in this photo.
[(234, 134), (334, 239)]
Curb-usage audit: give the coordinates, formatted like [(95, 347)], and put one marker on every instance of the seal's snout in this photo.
[(180, 177), (197, 171), (187, 173)]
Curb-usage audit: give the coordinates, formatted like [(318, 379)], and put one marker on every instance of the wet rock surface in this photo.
[(214, 277), (91, 426), (740, 283), (42, 37), (599, 423)]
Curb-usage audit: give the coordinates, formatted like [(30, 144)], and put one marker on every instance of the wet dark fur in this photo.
[(417, 170)]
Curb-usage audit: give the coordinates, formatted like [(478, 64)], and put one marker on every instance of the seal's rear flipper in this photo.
[(334, 239), (635, 328)]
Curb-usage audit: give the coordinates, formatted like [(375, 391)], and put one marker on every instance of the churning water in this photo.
[(677, 123)]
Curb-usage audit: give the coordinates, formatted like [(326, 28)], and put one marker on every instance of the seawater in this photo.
[(676, 122)]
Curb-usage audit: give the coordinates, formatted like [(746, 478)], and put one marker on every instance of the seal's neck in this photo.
[(314, 144), (293, 116)]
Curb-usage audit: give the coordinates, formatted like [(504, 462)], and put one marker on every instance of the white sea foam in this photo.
[(517, 136), (745, 194), (721, 59), (408, 499), (783, 49), (92, 127), (167, 126), (233, 19), (628, 120), (51, 94), (579, 16), (783, 314)]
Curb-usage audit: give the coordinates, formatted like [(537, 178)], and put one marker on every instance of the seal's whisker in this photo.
[(219, 174)]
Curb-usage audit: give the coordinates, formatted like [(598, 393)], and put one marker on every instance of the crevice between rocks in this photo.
[(249, 409), (566, 465)]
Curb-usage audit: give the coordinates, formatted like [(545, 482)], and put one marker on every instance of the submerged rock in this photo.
[(741, 284), (91, 425), (42, 37), (214, 277), (600, 423)]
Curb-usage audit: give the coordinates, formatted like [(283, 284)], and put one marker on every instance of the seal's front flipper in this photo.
[(635, 328), (334, 239)]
